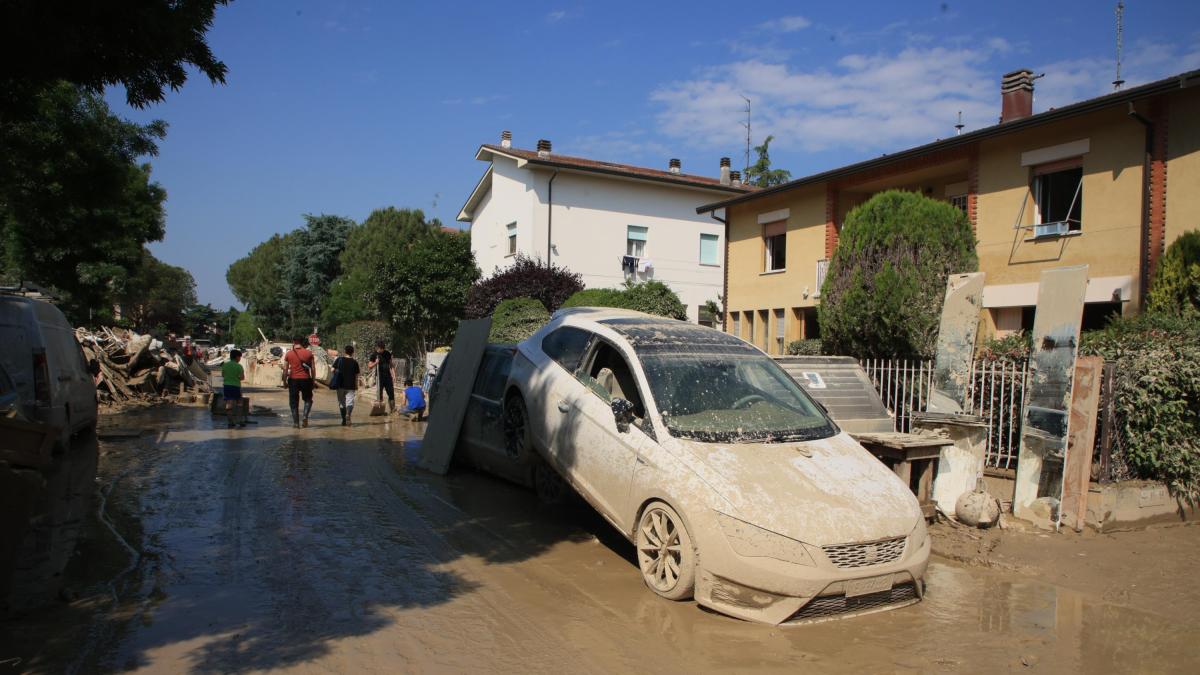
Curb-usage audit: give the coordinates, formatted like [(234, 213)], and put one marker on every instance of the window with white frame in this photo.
[(709, 254), (635, 240), (780, 331), (775, 246), (1058, 196), (512, 239)]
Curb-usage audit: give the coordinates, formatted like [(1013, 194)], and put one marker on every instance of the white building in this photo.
[(608, 222)]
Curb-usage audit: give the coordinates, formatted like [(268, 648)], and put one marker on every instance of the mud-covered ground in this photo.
[(326, 550)]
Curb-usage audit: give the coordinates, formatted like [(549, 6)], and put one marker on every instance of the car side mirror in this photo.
[(623, 413)]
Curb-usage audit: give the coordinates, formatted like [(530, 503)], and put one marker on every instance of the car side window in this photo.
[(566, 345), (484, 375), (609, 376)]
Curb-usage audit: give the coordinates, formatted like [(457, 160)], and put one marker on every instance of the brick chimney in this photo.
[(674, 165), (735, 178), (724, 171), (543, 147), (506, 139), (1016, 95)]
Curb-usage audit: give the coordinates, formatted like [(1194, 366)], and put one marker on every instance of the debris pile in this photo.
[(128, 367)]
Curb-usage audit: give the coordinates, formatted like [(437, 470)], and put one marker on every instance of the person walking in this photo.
[(345, 381), (414, 401), (385, 369), (232, 374), (299, 365)]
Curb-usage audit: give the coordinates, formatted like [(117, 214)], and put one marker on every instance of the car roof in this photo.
[(650, 332)]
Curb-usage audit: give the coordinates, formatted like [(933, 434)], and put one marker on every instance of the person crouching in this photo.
[(414, 401)]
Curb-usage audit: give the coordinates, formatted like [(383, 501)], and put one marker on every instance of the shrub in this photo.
[(525, 278), (804, 348), (516, 319), (363, 335), (883, 293), (1176, 287), (1013, 347), (1156, 395), (651, 297)]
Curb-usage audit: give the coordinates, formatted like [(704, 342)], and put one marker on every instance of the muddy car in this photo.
[(733, 484)]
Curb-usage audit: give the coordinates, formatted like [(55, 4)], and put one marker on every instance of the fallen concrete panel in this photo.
[(1085, 403), (453, 395), (956, 343), (1046, 418)]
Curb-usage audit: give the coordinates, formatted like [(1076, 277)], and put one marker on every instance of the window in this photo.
[(750, 323), (959, 201), (780, 334), (708, 249), (566, 346), (635, 241), (1058, 194), (737, 324), (775, 246), (512, 239), (608, 376)]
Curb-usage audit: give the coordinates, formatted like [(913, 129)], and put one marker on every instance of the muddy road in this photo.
[(327, 550)]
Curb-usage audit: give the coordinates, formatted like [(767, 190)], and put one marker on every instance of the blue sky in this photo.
[(343, 107)]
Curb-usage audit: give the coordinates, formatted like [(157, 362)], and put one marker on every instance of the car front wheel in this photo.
[(665, 554)]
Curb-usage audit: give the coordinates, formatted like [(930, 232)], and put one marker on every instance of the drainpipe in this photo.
[(1144, 248), (550, 217), (724, 271)]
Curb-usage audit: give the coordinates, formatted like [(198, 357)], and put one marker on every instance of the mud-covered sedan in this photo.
[(734, 485)]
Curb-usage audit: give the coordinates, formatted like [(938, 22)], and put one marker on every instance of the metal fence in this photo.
[(996, 393)]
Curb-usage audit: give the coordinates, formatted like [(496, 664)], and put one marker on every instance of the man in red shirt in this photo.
[(300, 367)]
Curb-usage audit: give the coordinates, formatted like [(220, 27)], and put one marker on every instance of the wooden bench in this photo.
[(912, 457)]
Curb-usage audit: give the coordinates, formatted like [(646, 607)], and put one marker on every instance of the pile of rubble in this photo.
[(130, 367)]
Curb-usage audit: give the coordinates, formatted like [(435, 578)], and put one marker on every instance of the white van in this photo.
[(46, 365)]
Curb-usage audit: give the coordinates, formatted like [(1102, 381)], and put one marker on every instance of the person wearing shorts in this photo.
[(299, 365), (414, 401), (232, 375), (345, 380)]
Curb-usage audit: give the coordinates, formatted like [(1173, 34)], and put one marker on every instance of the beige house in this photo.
[(1085, 183)]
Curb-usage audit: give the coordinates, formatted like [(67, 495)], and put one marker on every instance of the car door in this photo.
[(603, 456), (554, 389)]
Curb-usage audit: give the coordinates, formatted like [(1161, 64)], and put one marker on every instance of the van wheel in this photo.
[(665, 554)]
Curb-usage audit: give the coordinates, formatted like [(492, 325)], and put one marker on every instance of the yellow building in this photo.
[(1085, 183)]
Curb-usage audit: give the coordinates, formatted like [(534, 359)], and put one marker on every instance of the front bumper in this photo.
[(773, 591)]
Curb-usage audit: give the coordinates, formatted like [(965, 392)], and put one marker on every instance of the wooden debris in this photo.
[(132, 367)]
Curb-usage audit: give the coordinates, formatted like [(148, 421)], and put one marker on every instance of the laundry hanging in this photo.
[(629, 264)]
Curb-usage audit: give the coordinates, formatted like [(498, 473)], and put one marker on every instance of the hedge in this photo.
[(804, 348), (651, 297), (363, 335), (525, 278), (516, 319)]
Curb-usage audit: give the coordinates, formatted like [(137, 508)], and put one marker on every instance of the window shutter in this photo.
[(775, 228), (636, 232)]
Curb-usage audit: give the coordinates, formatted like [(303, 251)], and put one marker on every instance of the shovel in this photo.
[(378, 409)]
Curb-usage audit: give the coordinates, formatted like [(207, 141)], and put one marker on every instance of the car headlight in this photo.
[(755, 542), (918, 536)]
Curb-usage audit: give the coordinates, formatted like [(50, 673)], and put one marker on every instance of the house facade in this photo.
[(611, 223), (1082, 184)]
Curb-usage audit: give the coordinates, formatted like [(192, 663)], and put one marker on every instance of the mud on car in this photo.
[(735, 486)]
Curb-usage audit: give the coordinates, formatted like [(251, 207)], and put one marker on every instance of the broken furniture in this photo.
[(960, 465), (1081, 439), (453, 394), (842, 387)]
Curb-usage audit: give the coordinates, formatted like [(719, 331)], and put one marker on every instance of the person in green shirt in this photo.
[(232, 375)]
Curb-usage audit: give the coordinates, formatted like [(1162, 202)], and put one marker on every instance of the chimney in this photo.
[(724, 171), (674, 165), (735, 178), (543, 147), (1016, 95), (506, 139)]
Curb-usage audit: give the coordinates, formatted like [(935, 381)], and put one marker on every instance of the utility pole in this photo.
[(746, 168), (1120, 44)]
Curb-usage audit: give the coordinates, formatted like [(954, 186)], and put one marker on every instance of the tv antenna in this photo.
[(1120, 44), (746, 169), (959, 126)]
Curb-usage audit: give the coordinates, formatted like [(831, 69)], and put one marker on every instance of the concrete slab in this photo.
[(956, 343), (453, 395)]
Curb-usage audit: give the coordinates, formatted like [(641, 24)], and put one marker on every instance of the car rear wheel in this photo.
[(665, 554)]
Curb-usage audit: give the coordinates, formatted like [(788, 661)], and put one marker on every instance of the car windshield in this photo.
[(713, 387)]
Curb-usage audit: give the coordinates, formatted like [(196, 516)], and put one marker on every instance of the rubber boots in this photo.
[(295, 418), (307, 409)]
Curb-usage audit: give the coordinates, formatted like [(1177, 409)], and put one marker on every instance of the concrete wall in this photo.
[(590, 221)]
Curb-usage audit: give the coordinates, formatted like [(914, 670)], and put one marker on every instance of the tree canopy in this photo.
[(1176, 287), (155, 296), (75, 205), (257, 282), (524, 278), (883, 292), (760, 173), (310, 264)]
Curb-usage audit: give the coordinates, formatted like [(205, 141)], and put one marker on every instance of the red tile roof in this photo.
[(628, 170)]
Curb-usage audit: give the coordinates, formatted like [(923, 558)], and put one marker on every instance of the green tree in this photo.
[(1176, 286), (310, 264), (155, 297), (257, 282), (245, 329), (145, 47), (76, 207), (883, 293), (524, 278), (761, 173), (422, 290)]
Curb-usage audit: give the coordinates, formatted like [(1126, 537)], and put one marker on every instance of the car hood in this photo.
[(829, 491)]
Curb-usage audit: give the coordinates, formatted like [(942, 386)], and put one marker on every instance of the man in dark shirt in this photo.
[(385, 369), (345, 380)]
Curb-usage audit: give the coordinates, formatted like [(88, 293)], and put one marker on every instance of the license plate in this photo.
[(857, 587)]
